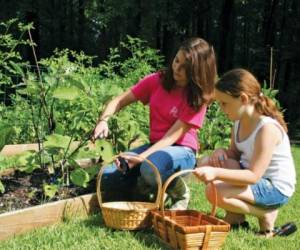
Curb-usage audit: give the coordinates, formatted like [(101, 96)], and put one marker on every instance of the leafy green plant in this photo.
[(216, 129), (58, 106), (11, 65), (10, 59)]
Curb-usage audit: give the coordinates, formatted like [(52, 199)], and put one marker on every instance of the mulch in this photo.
[(24, 190)]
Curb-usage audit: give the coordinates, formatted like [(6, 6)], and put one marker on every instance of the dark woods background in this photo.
[(243, 32)]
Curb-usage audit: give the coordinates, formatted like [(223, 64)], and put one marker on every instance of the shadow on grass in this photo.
[(146, 237), (149, 239), (94, 221)]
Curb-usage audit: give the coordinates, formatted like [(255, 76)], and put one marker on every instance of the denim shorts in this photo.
[(266, 195)]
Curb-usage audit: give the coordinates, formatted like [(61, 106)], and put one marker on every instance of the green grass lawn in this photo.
[(91, 233)]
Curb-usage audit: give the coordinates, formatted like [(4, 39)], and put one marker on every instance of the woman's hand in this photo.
[(131, 160), (206, 174), (101, 130), (218, 158)]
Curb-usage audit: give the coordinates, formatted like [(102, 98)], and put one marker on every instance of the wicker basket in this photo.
[(189, 229), (127, 215)]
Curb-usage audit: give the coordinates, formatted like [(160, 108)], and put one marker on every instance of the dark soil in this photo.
[(24, 190)]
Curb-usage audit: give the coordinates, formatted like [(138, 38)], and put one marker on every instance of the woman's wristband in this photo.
[(102, 120)]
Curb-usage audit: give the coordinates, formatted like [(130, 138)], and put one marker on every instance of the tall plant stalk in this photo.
[(42, 99)]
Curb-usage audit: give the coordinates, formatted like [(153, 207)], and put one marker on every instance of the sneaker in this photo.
[(179, 193)]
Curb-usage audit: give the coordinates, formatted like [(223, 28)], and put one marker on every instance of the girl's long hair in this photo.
[(201, 70), (236, 81)]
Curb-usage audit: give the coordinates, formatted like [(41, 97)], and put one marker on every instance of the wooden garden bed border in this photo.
[(24, 220)]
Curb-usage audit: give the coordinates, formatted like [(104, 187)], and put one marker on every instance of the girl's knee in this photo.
[(202, 161)]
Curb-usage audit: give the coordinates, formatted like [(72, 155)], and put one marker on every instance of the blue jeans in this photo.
[(116, 186)]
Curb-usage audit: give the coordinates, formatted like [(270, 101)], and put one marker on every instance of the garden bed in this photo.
[(23, 206), (26, 190)]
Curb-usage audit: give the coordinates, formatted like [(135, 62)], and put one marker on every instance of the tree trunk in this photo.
[(269, 22), (71, 20), (81, 25), (148, 22), (279, 46), (62, 25), (204, 20), (245, 47), (227, 35)]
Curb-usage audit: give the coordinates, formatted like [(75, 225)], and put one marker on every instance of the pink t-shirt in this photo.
[(166, 107)]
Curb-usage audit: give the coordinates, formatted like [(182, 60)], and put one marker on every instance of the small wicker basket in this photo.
[(127, 215), (189, 229)]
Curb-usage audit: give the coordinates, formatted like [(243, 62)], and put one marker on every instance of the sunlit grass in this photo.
[(91, 233)]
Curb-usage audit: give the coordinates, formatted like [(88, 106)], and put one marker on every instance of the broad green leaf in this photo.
[(77, 83), (26, 157), (80, 177), (7, 132), (57, 141), (2, 188), (92, 171), (105, 149), (66, 93), (29, 168), (50, 190), (27, 161), (73, 163)]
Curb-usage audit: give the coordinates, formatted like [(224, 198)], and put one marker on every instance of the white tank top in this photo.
[(281, 170)]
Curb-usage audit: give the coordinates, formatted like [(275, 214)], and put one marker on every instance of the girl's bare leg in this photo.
[(240, 200), (230, 217)]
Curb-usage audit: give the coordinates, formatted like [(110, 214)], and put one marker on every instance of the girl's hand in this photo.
[(206, 174), (101, 130), (218, 158)]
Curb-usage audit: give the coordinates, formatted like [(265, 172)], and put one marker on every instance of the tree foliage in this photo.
[(244, 33)]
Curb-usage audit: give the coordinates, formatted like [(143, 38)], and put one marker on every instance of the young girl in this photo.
[(256, 175), (177, 98)]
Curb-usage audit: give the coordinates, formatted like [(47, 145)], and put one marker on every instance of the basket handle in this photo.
[(172, 177), (154, 168)]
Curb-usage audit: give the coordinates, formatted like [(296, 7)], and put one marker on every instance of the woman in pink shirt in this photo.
[(177, 98)]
